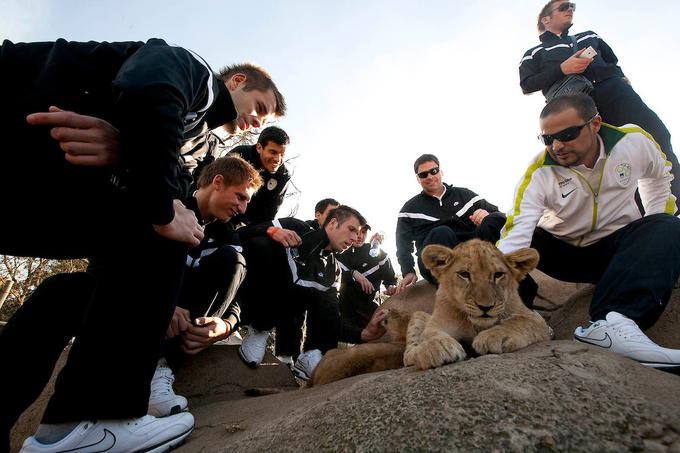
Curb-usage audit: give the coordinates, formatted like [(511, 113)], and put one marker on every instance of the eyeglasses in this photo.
[(565, 135), (565, 6), (424, 174)]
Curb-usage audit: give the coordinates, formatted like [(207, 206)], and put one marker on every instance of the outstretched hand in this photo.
[(374, 329), (85, 140), (406, 281)]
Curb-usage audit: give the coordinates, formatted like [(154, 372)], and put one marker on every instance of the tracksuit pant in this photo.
[(634, 269)]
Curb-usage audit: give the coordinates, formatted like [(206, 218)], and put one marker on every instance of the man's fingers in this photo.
[(62, 119)]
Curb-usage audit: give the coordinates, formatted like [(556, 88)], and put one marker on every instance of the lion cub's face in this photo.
[(477, 279)]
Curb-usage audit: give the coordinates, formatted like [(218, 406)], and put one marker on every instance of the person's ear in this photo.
[(597, 123), (218, 182), (235, 81)]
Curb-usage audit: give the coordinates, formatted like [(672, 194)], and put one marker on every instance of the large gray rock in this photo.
[(553, 396)]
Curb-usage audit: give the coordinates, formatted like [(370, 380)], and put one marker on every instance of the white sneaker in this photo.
[(253, 347), (286, 360), (147, 434), (163, 401), (621, 335), (306, 362)]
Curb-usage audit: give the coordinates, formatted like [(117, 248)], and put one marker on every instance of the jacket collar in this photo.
[(222, 110), (550, 36)]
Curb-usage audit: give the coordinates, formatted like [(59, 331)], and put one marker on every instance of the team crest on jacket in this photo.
[(623, 173), (271, 184)]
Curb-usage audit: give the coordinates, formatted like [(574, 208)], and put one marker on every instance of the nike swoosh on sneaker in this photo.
[(605, 342), (104, 444)]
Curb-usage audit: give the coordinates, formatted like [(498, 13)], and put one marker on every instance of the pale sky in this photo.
[(371, 85)]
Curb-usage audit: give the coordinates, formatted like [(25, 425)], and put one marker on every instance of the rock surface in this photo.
[(553, 396)]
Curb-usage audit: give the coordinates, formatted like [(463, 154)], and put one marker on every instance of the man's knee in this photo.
[(491, 226), (441, 235)]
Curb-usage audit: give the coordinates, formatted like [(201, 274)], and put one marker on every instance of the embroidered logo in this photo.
[(456, 203), (623, 173), (565, 195), (563, 181), (271, 184)]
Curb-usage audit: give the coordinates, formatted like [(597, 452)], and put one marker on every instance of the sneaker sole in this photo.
[(167, 445), (300, 374), (250, 364)]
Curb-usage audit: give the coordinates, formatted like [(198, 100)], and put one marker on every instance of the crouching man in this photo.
[(575, 205), (207, 311), (285, 282)]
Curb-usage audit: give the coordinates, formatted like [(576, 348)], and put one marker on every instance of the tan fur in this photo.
[(365, 358), (476, 303)]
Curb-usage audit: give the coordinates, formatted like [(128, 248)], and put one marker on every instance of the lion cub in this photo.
[(476, 303)]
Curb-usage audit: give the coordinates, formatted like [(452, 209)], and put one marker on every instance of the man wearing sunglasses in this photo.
[(575, 206), (559, 55), (440, 214)]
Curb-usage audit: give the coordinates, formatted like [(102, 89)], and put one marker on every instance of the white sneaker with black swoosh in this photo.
[(147, 434), (621, 335)]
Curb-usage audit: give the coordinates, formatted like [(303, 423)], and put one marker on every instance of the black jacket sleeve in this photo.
[(405, 238), (533, 78), (153, 91)]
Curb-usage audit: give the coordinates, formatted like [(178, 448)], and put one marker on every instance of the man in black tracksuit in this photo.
[(285, 282), (616, 100), (267, 157), (126, 219), (362, 275), (440, 214)]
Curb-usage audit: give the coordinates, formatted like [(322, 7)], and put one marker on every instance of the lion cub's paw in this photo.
[(435, 352), (498, 340)]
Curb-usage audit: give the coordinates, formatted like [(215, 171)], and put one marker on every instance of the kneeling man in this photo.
[(575, 205), (284, 282)]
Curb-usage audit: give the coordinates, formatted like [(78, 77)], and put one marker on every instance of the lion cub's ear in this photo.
[(522, 261), (436, 258)]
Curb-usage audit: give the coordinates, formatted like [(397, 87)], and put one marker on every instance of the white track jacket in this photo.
[(563, 201)]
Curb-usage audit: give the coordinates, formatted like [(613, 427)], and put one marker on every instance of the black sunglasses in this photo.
[(565, 6), (432, 171), (565, 135)]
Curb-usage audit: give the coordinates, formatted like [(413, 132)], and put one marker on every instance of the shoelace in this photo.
[(630, 331), (162, 385)]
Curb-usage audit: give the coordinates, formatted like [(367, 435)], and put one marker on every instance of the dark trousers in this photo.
[(357, 307), (209, 290), (489, 230), (57, 210), (619, 104), (270, 298), (634, 268)]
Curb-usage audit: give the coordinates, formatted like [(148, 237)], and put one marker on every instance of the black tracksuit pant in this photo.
[(634, 269), (269, 297), (619, 104), (488, 230), (57, 210)]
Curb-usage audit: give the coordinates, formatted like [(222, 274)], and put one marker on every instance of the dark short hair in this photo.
[(342, 213), (273, 134), (545, 12), (323, 204), (233, 169), (582, 103), (256, 79), (424, 158)]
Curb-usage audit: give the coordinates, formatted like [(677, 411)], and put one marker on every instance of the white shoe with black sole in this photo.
[(622, 335)]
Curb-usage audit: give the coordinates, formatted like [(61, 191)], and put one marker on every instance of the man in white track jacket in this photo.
[(575, 204)]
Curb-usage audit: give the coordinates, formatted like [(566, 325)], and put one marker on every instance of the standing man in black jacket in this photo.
[(267, 157), (440, 214), (122, 213), (556, 57)]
